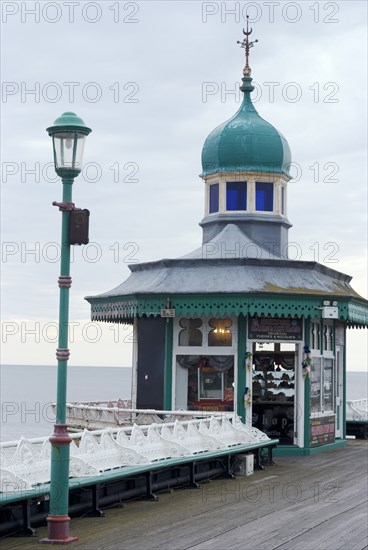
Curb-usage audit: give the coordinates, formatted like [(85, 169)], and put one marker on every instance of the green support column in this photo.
[(68, 134), (63, 341), (168, 364), (307, 323), (336, 367), (58, 519), (242, 349), (344, 388)]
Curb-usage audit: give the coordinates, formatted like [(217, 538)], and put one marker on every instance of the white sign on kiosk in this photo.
[(330, 312)]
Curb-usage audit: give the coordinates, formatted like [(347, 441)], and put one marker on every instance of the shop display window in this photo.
[(209, 381), (322, 385)]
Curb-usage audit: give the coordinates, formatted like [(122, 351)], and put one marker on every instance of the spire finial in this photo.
[(246, 44)]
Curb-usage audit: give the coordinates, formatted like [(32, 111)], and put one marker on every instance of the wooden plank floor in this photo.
[(301, 503)]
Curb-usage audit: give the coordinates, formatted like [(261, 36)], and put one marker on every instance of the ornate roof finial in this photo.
[(246, 44)]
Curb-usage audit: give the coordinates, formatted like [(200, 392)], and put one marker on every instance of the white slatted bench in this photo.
[(189, 437), (151, 446)]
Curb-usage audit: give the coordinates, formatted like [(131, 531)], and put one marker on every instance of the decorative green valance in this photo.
[(124, 309)]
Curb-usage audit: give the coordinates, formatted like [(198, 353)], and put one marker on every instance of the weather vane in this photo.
[(246, 44)]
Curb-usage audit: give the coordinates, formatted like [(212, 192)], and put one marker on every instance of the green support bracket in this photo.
[(307, 325), (344, 388), (242, 349), (168, 364)]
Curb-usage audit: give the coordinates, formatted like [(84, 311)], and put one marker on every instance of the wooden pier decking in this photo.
[(302, 503)]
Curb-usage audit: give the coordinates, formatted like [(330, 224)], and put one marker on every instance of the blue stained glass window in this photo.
[(214, 198), (236, 195), (264, 196)]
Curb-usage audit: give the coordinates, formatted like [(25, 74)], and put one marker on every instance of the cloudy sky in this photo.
[(152, 79)]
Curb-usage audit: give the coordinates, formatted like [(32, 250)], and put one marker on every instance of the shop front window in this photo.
[(322, 385), (220, 333), (327, 342), (314, 335), (315, 386), (191, 333), (206, 382), (328, 393)]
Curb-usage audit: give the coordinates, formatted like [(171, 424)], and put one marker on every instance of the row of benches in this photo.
[(27, 465)]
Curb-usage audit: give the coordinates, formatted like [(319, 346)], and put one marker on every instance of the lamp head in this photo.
[(68, 137)]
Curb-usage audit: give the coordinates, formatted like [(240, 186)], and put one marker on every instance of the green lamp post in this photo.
[(68, 137)]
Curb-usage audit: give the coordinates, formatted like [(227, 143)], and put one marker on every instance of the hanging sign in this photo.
[(261, 328)]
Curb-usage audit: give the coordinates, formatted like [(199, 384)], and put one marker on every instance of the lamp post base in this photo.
[(58, 531)]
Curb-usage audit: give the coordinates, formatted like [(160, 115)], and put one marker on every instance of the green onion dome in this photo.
[(246, 142)]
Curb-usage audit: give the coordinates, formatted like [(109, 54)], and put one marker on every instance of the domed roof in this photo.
[(246, 142)]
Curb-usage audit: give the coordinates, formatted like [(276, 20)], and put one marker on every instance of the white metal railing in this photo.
[(102, 414), (357, 410)]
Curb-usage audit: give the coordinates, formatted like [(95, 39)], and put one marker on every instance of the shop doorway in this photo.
[(274, 371)]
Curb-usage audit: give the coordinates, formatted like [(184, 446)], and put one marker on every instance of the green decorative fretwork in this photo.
[(125, 309)]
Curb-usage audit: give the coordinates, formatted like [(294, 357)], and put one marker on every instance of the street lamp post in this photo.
[(68, 136)]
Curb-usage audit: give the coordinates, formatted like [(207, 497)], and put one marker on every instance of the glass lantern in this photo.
[(68, 137)]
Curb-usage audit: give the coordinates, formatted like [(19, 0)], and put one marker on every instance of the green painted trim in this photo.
[(344, 388), (125, 308), (60, 453), (358, 313), (242, 349), (336, 367), (338, 444), (129, 471), (169, 331), (307, 412), (289, 450), (307, 327), (293, 450)]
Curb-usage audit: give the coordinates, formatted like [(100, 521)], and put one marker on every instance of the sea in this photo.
[(26, 394)]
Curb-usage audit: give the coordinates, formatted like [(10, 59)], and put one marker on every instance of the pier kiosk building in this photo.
[(235, 325)]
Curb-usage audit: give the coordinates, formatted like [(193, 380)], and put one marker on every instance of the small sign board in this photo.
[(167, 312), (263, 328), (322, 430), (329, 312), (78, 226)]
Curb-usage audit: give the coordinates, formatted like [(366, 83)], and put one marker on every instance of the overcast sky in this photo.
[(152, 79)]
